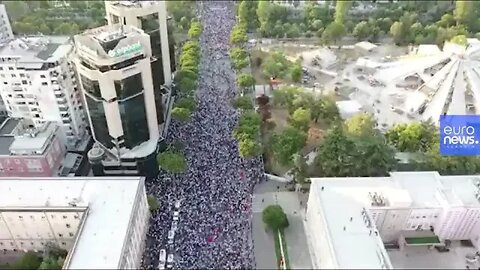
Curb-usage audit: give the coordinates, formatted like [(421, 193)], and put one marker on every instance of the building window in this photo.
[(44, 83), (20, 217), (91, 87), (1, 243), (67, 225), (42, 243), (42, 76), (64, 244), (24, 82), (60, 235), (52, 216), (75, 217), (71, 234), (64, 217), (10, 68), (99, 121), (31, 243), (13, 75)]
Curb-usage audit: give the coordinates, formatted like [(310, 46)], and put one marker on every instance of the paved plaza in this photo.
[(298, 252)]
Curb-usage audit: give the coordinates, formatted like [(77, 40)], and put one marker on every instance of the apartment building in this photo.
[(6, 33), (101, 222), (114, 65), (29, 151), (351, 220), (39, 83)]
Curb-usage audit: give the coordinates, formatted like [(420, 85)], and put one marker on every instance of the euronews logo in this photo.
[(463, 135), (460, 135)]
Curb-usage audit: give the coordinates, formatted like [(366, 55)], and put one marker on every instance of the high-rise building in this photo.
[(39, 83), (101, 222), (114, 65), (6, 33)]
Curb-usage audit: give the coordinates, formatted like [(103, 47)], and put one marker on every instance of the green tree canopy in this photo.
[(462, 10), (287, 143), (52, 263), (341, 9), (301, 119), (249, 148), (274, 217), (362, 30), (413, 137), (362, 124), (186, 85), (238, 35), (245, 80), (172, 161), (195, 30), (460, 40), (276, 65), (187, 103), (28, 261), (181, 114), (243, 102), (300, 168), (343, 156), (333, 32), (296, 73), (248, 126), (153, 203)]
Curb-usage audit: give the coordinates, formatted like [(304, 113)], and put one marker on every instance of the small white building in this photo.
[(348, 108), (365, 46), (101, 222), (350, 220)]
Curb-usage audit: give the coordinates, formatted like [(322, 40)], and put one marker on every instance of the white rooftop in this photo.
[(33, 51), (344, 198), (110, 201), (365, 45)]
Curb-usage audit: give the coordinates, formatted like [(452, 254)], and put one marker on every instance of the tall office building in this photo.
[(114, 65), (39, 83), (6, 33)]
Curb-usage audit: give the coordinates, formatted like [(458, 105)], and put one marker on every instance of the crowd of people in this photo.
[(215, 193)]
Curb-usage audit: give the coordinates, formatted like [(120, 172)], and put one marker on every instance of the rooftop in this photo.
[(134, 3), (20, 137), (110, 203), (349, 234), (37, 49)]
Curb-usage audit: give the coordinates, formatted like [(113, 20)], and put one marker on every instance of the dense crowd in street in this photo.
[(214, 229)]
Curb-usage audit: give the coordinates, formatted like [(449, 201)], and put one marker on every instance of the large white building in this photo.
[(114, 65), (6, 33), (101, 222), (351, 220), (39, 83)]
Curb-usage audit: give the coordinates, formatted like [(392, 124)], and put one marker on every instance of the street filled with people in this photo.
[(209, 204)]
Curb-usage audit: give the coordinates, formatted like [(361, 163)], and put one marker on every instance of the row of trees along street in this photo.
[(173, 159), (405, 21)]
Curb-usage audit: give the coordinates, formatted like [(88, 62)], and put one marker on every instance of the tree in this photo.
[(262, 11), (238, 35), (187, 103), (333, 32), (28, 261), (296, 73), (287, 143), (301, 119), (172, 162), (446, 21), (245, 81), (274, 217), (184, 23), (362, 30), (285, 96), (341, 9), (300, 168), (195, 30), (275, 65), (16, 9), (361, 125), (153, 203), (67, 28), (460, 40), (186, 85), (179, 75), (181, 114), (396, 32), (343, 156), (293, 31), (413, 137), (316, 25), (52, 263), (249, 148), (243, 103), (248, 126), (462, 10)]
